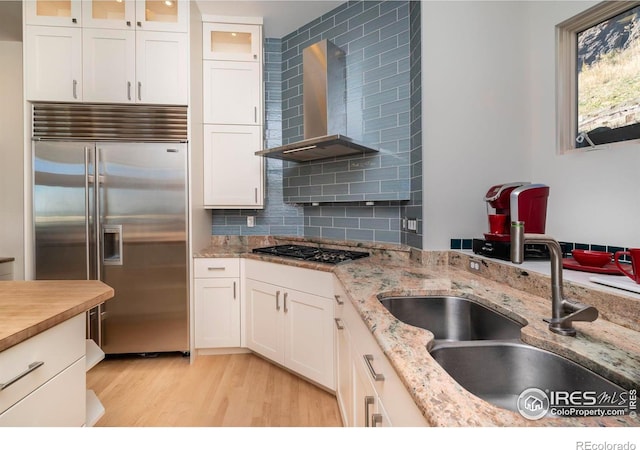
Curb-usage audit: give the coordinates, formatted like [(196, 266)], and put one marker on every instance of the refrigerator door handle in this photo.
[(112, 245), (86, 211)]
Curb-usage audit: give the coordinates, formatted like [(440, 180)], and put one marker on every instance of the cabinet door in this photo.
[(233, 174), (162, 68), (217, 312), (109, 65), (53, 63), (309, 336), (232, 93), (119, 14), (264, 319), (162, 15), (66, 13), (231, 42), (344, 373)]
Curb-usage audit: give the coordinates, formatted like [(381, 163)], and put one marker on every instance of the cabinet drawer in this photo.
[(60, 402), (57, 348), (217, 267)]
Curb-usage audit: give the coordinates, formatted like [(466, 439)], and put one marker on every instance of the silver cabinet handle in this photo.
[(368, 401), (33, 366), (129, 90), (255, 193), (75, 89), (234, 290), (215, 268), (128, 23), (286, 294), (277, 300), (339, 324), (74, 20), (255, 114), (376, 376), (140, 90), (338, 301), (376, 419), (140, 24)]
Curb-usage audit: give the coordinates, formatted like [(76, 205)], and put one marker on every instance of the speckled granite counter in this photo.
[(603, 346)]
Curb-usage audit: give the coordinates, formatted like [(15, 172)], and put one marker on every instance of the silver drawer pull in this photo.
[(215, 268), (376, 419), (338, 301), (376, 376), (33, 366), (339, 323), (368, 401)]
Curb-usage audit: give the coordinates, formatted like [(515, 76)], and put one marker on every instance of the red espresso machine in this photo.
[(521, 201)]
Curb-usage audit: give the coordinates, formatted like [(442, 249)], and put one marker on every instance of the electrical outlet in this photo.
[(474, 265), (251, 221)]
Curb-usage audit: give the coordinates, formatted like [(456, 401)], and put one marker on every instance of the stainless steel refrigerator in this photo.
[(116, 212)]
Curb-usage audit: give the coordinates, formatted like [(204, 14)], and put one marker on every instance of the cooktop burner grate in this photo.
[(307, 253)]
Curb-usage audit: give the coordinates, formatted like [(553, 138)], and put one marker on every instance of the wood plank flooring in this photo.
[(215, 391)]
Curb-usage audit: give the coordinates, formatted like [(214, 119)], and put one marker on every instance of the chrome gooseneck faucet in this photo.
[(563, 312)]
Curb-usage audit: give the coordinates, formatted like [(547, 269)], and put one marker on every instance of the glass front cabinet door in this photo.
[(231, 42), (64, 13)]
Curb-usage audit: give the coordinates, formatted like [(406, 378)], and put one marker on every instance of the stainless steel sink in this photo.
[(452, 318), (499, 372)]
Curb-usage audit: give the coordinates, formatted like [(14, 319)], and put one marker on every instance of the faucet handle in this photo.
[(577, 312)]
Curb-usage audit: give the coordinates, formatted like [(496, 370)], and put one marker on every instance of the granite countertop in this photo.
[(31, 307), (604, 346)]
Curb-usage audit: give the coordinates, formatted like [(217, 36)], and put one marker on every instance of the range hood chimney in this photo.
[(324, 106)]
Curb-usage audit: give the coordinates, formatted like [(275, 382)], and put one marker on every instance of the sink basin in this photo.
[(452, 318), (500, 372)]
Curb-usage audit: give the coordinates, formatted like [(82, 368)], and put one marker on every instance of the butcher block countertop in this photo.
[(31, 307)]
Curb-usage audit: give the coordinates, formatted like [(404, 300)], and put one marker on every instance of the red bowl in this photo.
[(592, 258)]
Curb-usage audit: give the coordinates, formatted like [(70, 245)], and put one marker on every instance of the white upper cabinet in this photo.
[(162, 61), (109, 70), (149, 15), (162, 15), (231, 42), (232, 93), (63, 13), (114, 14), (53, 62)]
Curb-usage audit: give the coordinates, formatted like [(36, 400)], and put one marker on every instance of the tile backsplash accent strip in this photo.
[(376, 41), (277, 217), (567, 247)]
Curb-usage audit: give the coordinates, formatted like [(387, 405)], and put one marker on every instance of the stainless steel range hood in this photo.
[(324, 107)]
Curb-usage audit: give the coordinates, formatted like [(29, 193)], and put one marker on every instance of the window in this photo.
[(598, 75)]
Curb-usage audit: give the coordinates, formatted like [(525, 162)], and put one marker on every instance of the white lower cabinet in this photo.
[(217, 302), (291, 327), (44, 378), (369, 391), (6, 271)]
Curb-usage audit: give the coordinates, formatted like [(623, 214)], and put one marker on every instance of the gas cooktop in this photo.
[(307, 253)]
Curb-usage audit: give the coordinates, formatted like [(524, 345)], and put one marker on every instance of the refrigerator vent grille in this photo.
[(143, 123)]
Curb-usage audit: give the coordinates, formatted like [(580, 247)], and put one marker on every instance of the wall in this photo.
[(594, 195), (489, 117), (475, 111), (11, 156), (376, 37)]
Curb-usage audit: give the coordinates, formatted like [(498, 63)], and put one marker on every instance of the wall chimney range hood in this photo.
[(324, 107)]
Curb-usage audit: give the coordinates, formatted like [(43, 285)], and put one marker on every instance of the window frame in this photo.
[(566, 73)]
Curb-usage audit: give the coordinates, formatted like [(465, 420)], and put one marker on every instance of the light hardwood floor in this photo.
[(215, 391)]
